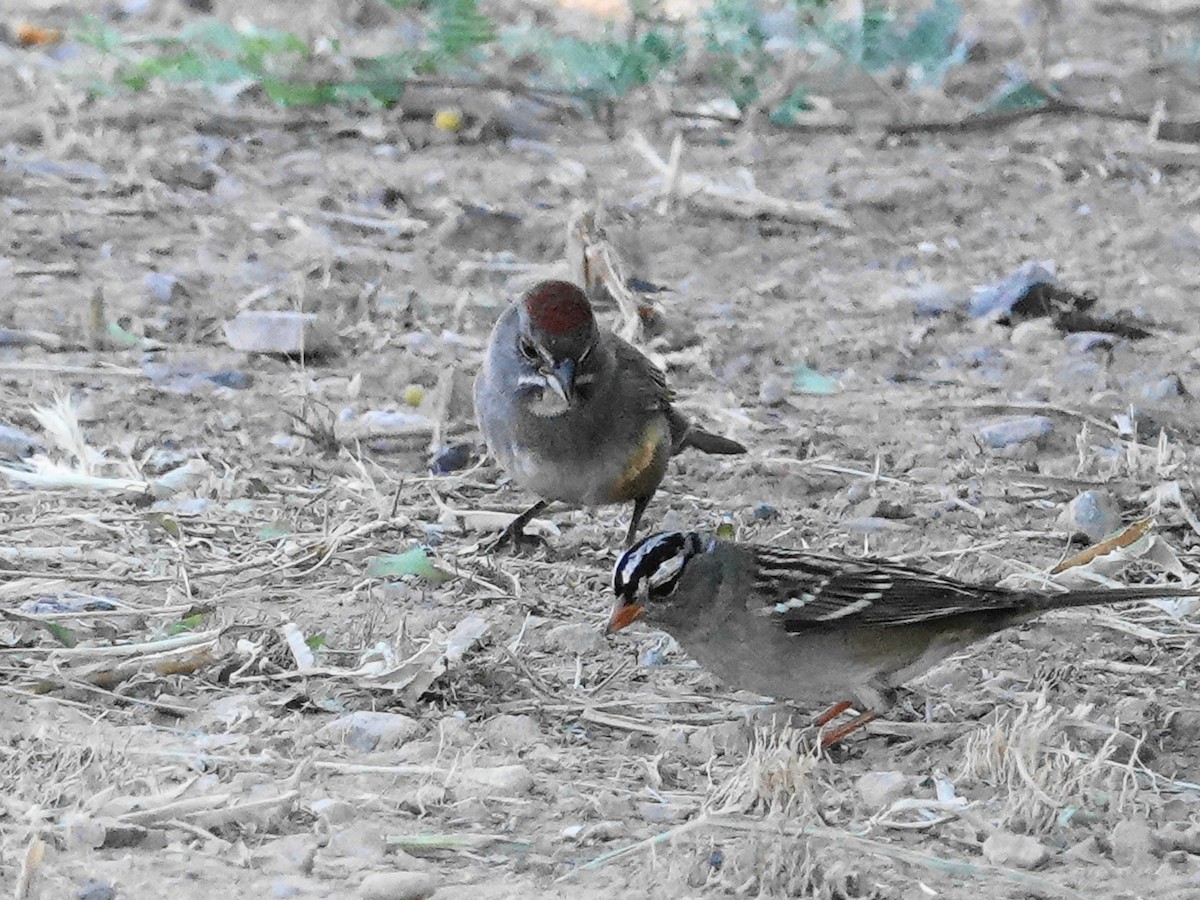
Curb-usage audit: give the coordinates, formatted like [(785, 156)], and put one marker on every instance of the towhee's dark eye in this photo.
[(528, 350)]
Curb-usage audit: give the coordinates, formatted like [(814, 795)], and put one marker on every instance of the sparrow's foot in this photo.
[(832, 713), (829, 738), (835, 735)]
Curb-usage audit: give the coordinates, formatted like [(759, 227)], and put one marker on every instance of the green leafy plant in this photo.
[(457, 36), (184, 625), (1017, 94), (459, 28), (926, 50), (211, 53), (315, 642), (612, 67), (736, 46), (61, 633), (214, 53), (793, 104)]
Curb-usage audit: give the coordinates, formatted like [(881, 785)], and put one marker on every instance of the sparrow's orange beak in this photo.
[(624, 615)]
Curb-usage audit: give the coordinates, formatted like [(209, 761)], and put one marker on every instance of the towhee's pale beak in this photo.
[(562, 380)]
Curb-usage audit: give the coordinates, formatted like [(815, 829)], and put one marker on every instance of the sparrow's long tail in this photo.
[(1102, 596)]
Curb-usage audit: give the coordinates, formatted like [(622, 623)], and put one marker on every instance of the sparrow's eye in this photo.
[(528, 350)]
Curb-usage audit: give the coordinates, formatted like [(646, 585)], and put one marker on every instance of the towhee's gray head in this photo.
[(556, 338)]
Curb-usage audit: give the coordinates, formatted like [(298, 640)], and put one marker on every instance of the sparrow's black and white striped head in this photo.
[(650, 571)]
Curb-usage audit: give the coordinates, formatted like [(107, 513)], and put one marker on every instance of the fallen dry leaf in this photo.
[(1131, 535)]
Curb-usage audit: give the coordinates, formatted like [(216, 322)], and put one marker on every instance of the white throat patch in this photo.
[(548, 403)]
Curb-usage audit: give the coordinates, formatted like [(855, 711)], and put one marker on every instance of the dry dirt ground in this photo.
[(521, 746)]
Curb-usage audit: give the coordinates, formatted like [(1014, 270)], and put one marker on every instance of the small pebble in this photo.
[(334, 811), (878, 508), (774, 390), (1177, 836), (289, 855), (418, 799), (96, 890), (384, 421), (770, 287), (1133, 711), (83, 832), (432, 534), (573, 637), (1033, 334), (118, 835), (652, 656), (283, 333), (69, 170), (722, 739), (1086, 341), (1093, 514), (879, 789), (1133, 844), (605, 830), (508, 781), (362, 842), (451, 459), (77, 605), (516, 732), (162, 287), (15, 337), (398, 886), (1017, 430), (662, 813), (189, 377), (859, 490), (928, 299), (1167, 388), (996, 301), (1185, 725), (1022, 851), (29, 134), (366, 730), (16, 444), (526, 119), (873, 525), (231, 378), (456, 730)]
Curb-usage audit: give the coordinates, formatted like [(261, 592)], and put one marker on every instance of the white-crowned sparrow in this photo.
[(814, 628), (573, 412)]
